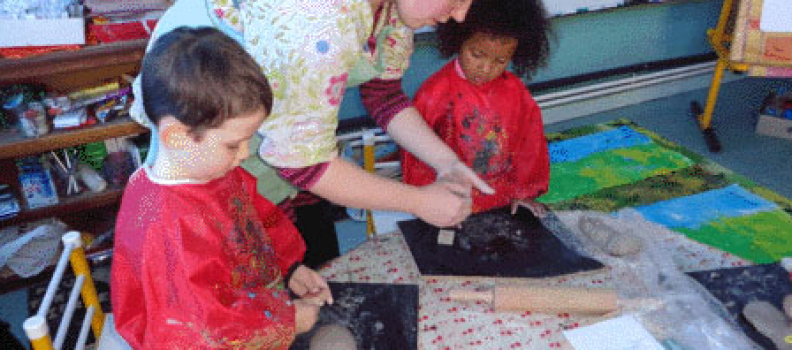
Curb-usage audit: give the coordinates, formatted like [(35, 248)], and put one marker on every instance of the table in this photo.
[(446, 324)]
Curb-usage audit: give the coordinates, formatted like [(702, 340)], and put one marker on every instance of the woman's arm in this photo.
[(411, 132), (347, 184)]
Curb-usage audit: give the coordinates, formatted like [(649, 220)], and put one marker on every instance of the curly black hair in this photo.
[(524, 20)]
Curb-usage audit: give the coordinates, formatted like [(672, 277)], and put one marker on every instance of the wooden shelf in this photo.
[(13, 144), (63, 62), (83, 201)]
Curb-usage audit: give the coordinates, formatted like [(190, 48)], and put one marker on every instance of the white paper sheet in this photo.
[(776, 16), (621, 333)]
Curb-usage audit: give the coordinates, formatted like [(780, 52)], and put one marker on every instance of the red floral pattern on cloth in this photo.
[(446, 324)]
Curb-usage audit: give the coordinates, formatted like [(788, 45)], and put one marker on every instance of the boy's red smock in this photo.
[(202, 265)]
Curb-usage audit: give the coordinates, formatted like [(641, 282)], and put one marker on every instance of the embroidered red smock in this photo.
[(495, 128), (201, 265)]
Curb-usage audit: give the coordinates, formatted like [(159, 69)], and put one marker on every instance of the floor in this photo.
[(765, 160)]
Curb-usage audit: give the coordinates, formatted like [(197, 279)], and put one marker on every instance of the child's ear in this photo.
[(173, 134)]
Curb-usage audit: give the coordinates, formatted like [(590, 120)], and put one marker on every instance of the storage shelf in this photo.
[(83, 201), (13, 144), (89, 57)]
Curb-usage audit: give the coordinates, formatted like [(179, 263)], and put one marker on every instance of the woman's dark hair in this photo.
[(524, 20), (201, 77)]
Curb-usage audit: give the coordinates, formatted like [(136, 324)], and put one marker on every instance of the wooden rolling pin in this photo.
[(543, 299)]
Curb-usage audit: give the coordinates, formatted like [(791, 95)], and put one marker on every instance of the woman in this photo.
[(311, 51)]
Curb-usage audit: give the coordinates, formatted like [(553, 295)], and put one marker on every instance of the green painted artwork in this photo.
[(610, 168), (764, 237), (659, 171)]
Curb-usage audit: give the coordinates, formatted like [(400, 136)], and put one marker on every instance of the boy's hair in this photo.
[(201, 77), (524, 20)]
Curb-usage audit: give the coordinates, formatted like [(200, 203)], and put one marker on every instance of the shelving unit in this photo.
[(65, 72), (14, 145), (107, 58)]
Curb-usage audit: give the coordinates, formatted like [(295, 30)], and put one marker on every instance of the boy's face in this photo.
[(220, 149), (484, 57)]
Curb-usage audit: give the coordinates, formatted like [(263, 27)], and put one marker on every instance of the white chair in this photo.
[(102, 324)]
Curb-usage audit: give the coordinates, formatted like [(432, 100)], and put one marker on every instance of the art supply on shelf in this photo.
[(119, 164), (68, 168), (91, 178), (9, 207), (37, 186), (543, 299), (36, 112), (71, 119)]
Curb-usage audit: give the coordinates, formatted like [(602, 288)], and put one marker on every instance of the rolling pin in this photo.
[(543, 299)]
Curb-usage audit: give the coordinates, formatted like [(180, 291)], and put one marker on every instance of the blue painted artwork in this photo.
[(581, 147), (696, 210)]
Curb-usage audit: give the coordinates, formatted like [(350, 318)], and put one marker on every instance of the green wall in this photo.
[(592, 42)]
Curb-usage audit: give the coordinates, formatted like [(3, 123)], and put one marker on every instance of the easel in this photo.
[(721, 39)]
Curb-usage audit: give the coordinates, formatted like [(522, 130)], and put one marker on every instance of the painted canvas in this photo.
[(695, 197)]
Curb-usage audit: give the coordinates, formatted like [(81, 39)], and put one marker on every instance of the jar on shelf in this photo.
[(38, 114)]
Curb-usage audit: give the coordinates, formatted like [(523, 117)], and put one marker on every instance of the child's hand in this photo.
[(538, 209), (460, 173), (444, 204), (310, 286), (305, 315)]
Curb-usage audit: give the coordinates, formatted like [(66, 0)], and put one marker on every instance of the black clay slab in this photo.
[(736, 287), (380, 316), (494, 244)]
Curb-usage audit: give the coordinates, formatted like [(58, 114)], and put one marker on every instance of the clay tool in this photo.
[(543, 299)]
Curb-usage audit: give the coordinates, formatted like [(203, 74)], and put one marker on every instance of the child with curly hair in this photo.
[(484, 112)]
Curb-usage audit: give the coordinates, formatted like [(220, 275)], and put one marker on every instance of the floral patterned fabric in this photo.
[(311, 51)]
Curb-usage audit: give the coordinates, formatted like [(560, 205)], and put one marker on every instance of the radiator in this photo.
[(577, 102)]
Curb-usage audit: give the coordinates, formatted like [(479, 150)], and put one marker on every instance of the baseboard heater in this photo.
[(580, 101)]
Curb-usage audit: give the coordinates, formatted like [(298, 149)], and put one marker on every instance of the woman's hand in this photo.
[(538, 209), (310, 286), (458, 172), (444, 204), (305, 315)]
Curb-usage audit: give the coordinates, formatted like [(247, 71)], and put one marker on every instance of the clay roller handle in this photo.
[(470, 295), (555, 300)]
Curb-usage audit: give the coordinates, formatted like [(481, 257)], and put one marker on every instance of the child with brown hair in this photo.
[(201, 260)]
